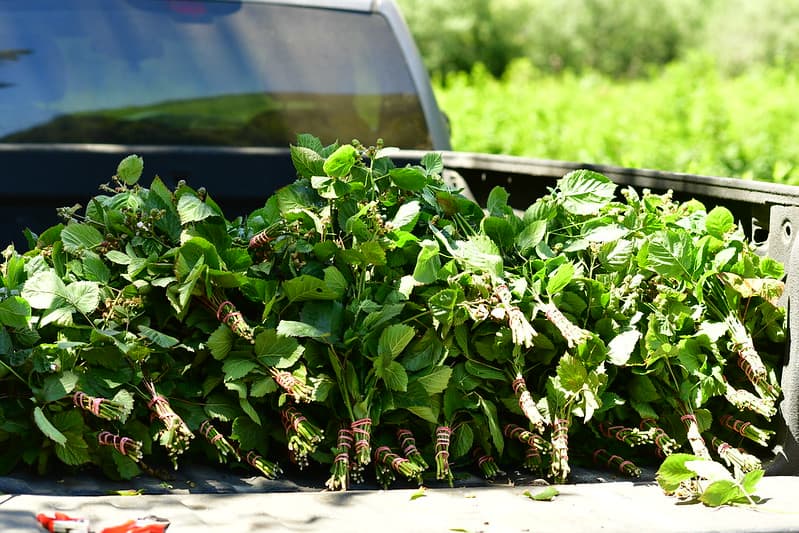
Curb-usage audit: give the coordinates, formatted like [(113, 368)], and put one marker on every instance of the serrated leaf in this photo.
[(219, 406), (192, 209), (584, 192), (672, 254), (82, 295), (249, 410), (75, 452), (462, 441), (560, 278), (46, 427), (58, 386), (720, 493), (249, 435), (710, 470), (79, 237), (433, 163), (435, 381), (406, 215), (621, 347), (293, 328), (277, 351), (340, 162), (674, 471), (408, 178), (126, 468), (130, 169), (306, 287), (572, 373), (120, 258), (220, 342), (125, 399), (42, 289), (236, 368), (490, 412), (428, 263), (262, 387), (531, 235), (307, 162), (95, 269), (394, 339), (15, 312), (394, 376), (161, 339), (719, 222)]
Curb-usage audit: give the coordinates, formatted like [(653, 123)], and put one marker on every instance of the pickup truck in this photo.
[(213, 92)]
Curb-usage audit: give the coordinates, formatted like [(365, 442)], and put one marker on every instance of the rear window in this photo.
[(176, 72)]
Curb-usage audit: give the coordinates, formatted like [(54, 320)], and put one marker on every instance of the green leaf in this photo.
[(118, 257), (15, 312), (719, 222), (560, 278), (46, 427), (192, 209), (433, 163), (161, 339), (75, 452), (497, 202), (572, 373), (621, 347), (544, 495), (58, 386), (672, 254), (373, 253), (462, 441), (249, 435), (307, 287), (220, 342), (340, 162), (394, 376), (79, 237), (674, 471), (428, 263), (249, 410), (531, 235), (95, 269), (306, 161), (42, 289), (130, 169), (721, 492), (490, 412), (408, 178), (293, 328), (277, 351), (82, 295), (236, 367), (406, 215), (436, 380), (484, 371), (710, 470), (584, 192), (394, 339)]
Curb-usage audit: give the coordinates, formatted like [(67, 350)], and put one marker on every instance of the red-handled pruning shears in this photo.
[(149, 524), (63, 523)]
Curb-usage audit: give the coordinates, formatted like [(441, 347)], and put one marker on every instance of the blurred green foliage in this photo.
[(620, 38), (700, 86), (688, 117)]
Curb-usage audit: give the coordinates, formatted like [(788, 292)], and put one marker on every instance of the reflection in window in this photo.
[(235, 74)]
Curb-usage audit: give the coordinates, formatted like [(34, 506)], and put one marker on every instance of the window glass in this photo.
[(180, 72)]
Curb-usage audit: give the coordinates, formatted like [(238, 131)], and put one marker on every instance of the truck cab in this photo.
[(208, 92)]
